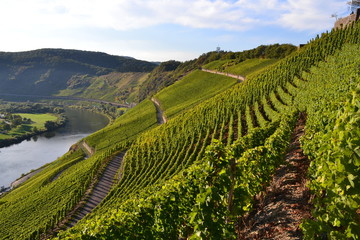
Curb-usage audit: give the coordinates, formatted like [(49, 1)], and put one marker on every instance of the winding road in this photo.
[(240, 78), (67, 98), (159, 113)]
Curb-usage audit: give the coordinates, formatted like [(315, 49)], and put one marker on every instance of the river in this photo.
[(34, 153)]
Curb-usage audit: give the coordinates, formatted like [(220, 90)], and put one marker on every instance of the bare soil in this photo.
[(285, 203)]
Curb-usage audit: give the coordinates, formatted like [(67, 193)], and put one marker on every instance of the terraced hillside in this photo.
[(195, 88), (198, 174), (105, 145), (169, 72), (173, 188), (250, 66)]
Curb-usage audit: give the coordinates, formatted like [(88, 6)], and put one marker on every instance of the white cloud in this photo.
[(119, 26), (136, 14), (309, 14), (124, 14)]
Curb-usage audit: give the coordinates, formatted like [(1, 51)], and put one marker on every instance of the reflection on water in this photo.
[(39, 150)]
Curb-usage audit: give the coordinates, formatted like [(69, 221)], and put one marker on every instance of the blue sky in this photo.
[(160, 30)]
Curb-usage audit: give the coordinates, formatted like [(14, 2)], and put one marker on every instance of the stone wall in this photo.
[(343, 22)]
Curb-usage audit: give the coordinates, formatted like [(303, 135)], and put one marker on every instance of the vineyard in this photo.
[(196, 175), (250, 66), (192, 89)]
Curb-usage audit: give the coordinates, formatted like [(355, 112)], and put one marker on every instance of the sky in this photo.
[(161, 30)]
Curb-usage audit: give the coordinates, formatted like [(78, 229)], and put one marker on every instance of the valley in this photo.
[(199, 154)]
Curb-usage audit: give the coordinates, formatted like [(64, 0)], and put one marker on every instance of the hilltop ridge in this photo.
[(68, 72)]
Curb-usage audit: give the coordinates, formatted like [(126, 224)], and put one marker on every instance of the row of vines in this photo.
[(164, 152)]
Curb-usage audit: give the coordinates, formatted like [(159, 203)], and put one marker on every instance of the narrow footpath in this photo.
[(286, 201), (100, 190), (92, 198), (159, 113), (24, 178), (240, 78)]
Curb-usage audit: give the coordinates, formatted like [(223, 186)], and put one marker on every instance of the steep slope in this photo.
[(99, 191), (115, 86), (106, 144), (194, 88), (48, 71), (173, 185), (243, 68), (162, 76), (169, 72), (164, 195), (284, 204)]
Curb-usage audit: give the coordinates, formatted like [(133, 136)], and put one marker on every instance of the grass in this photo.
[(4, 136), (126, 127), (218, 64), (37, 200), (191, 90), (250, 66), (38, 121)]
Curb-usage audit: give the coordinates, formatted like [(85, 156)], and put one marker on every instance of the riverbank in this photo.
[(20, 180), (60, 122), (18, 159)]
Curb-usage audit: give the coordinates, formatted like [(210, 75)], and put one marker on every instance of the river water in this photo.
[(32, 154)]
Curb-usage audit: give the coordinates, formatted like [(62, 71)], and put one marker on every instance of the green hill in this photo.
[(171, 71), (192, 89), (198, 174), (244, 68), (70, 73)]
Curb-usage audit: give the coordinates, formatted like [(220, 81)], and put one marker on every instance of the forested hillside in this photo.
[(197, 175), (69, 72)]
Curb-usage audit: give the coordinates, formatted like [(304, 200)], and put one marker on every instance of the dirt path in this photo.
[(89, 151), (238, 77), (286, 201), (25, 177), (159, 113)]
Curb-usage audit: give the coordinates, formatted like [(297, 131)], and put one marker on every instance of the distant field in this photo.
[(37, 119), (192, 89), (244, 68), (3, 136)]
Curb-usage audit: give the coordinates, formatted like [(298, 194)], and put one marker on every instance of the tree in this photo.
[(49, 125), (4, 126), (35, 129)]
